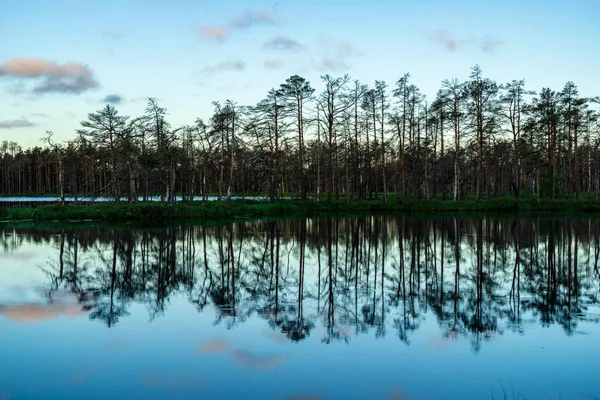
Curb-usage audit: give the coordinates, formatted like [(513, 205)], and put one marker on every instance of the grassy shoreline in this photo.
[(156, 213)]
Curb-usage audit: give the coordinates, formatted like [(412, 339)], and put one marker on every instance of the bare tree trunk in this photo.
[(172, 176), (456, 160), (231, 160), (61, 184), (318, 157), (382, 131), (132, 192)]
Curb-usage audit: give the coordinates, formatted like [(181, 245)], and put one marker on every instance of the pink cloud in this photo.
[(32, 313), (442, 37), (214, 32), (62, 78), (216, 346), (255, 362), (245, 20), (276, 337)]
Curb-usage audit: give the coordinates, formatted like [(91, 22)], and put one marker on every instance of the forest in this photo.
[(477, 139)]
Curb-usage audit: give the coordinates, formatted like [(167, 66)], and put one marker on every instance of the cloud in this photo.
[(282, 43), (216, 346), (255, 362), (276, 337), (439, 342), (243, 21), (249, 19), (223, 67), (113, 99), (20, 256), (333, 64), (51, 77), (39, 115), (451, 43), (345, 49), (113, 35), (32, 313), (273, 64), (214, 32), (442, 37), (16, 123), (490, 44), (335, 55)]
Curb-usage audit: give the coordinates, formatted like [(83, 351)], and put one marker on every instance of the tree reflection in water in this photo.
[(353, 276)]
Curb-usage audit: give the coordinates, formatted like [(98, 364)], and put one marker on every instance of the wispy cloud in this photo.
[(442, 37), (39, 115), (489, 44), (335, 55), (452, 43), (16, 123), (21, 256), (256, 362), (214, 32), (51, 77), (216, 346), (249, 19), (345, 49), (243, 21), (32, 313), (283, 43), (333, 64), (113, 99), (223, 67), (113, 35), (273, 64)]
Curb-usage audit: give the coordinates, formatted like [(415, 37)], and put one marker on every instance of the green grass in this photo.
[(157, 213)]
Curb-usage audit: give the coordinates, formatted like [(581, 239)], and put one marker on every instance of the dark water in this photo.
[(353, 308)]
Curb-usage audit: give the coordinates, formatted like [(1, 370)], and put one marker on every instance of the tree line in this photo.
[(477, 138)]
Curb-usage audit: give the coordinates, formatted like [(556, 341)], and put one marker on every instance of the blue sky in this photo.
[(60, 59)]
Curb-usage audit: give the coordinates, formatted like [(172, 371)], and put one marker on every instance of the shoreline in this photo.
[(145, 213)]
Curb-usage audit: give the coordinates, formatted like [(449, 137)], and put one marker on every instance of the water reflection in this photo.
[(351, 276)]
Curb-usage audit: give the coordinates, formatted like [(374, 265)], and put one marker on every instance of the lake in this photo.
[(329, 308)]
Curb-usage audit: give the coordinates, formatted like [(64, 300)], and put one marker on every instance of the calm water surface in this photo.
[(352, 308)]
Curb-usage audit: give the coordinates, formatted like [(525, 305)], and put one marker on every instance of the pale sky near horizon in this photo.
[(62, 59)]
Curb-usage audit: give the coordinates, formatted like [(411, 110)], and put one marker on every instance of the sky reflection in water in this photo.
[(373, 308)]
